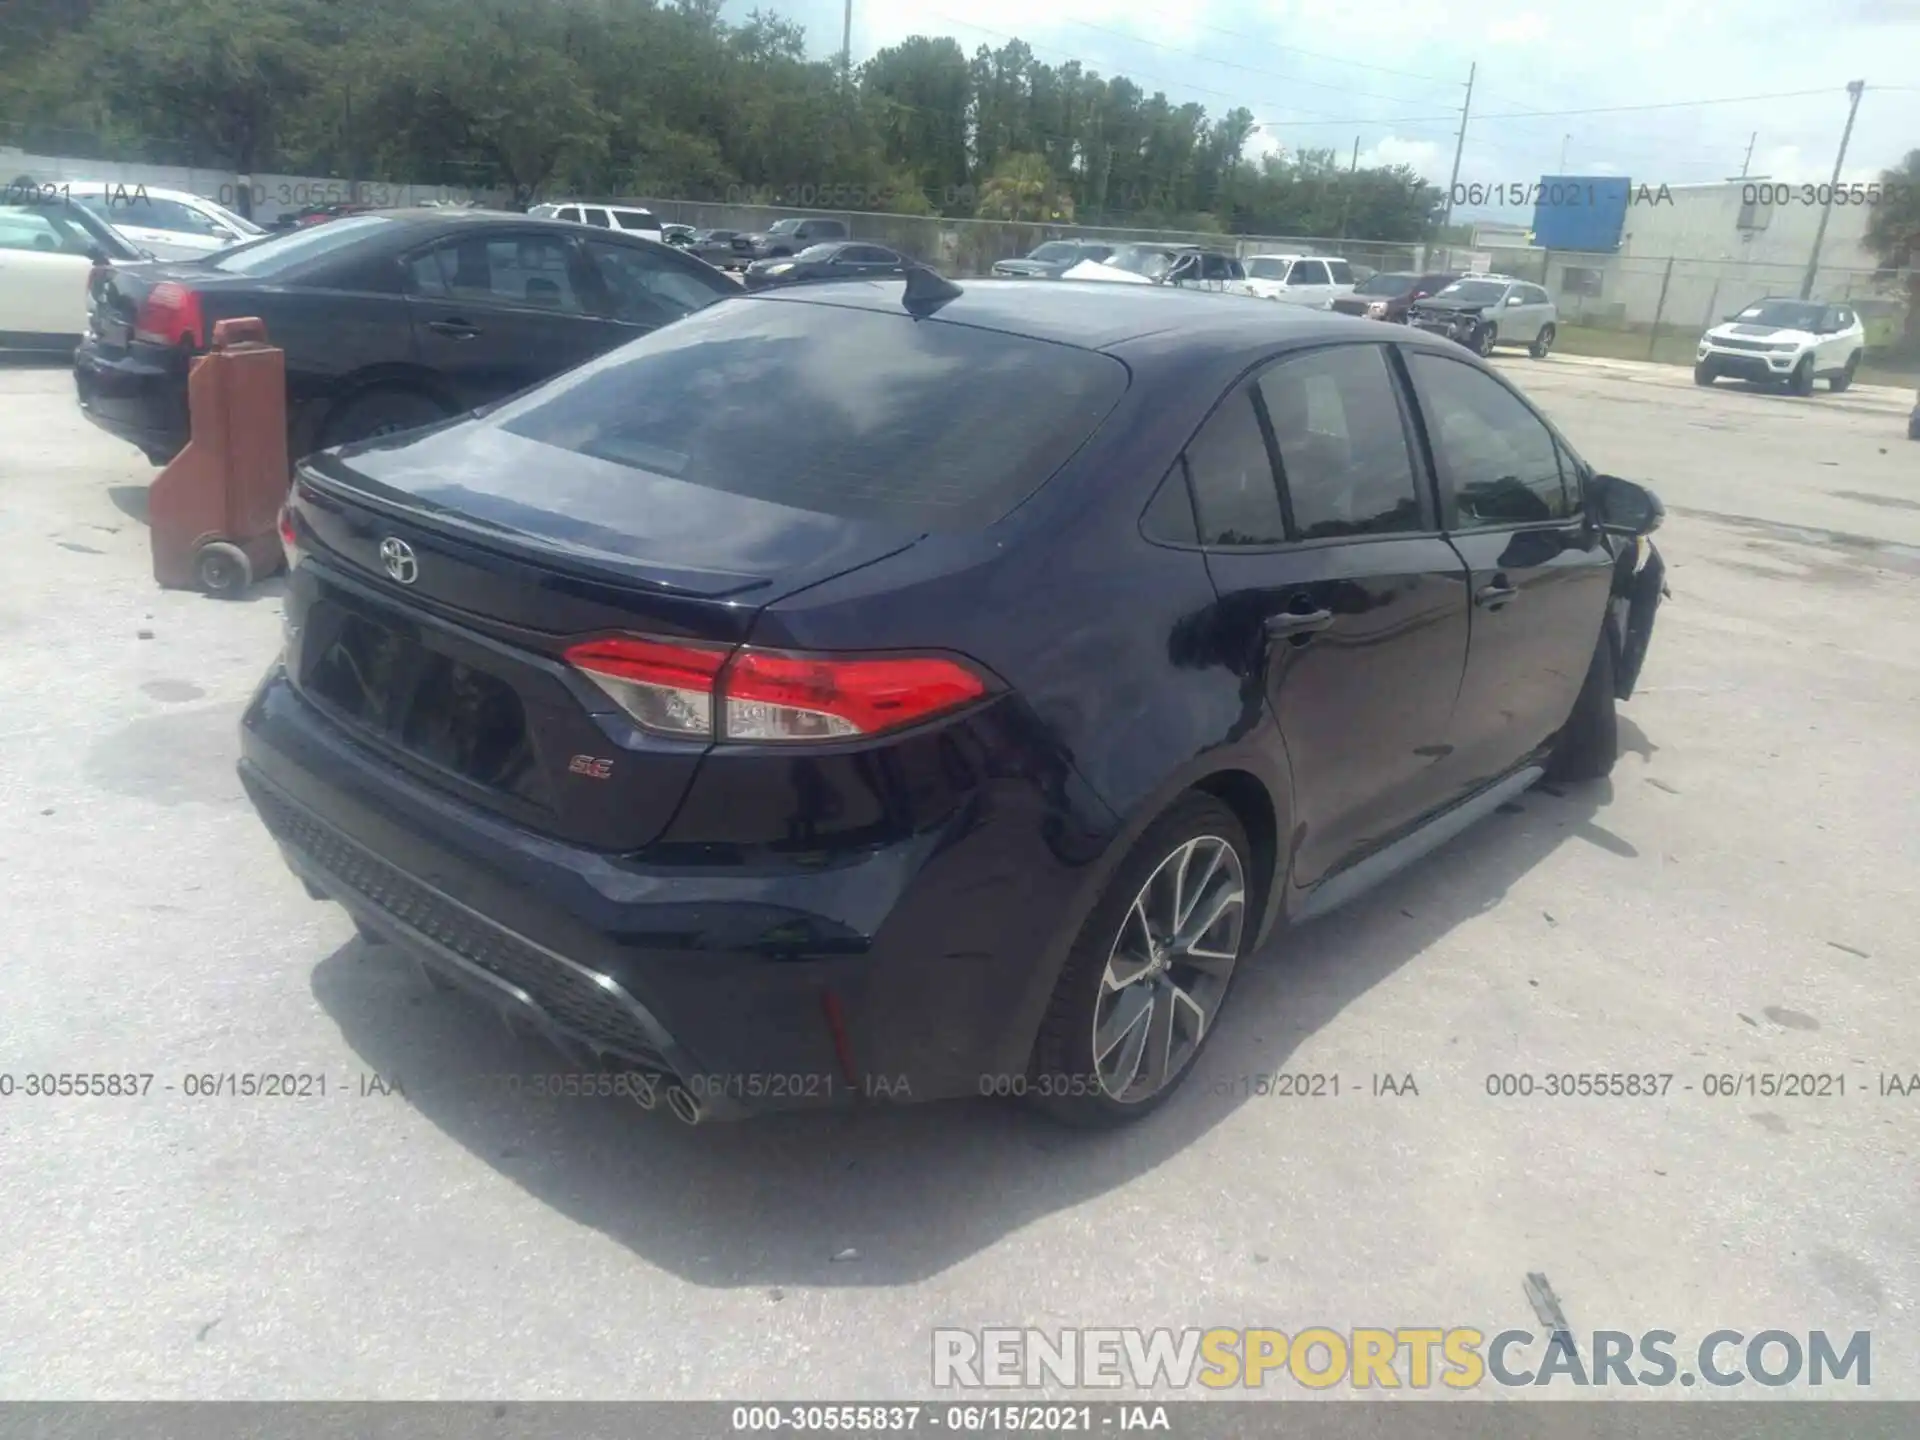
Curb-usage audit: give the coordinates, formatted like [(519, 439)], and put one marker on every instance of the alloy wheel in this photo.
[(1168, 969)]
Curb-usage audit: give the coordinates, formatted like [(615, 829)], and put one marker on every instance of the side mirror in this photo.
[(1624, 508), (1516, 299), (97, 256)]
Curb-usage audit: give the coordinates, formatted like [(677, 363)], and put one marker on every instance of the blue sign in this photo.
[(1581, 212)]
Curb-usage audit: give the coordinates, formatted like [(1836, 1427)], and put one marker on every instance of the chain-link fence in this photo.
[(1657, 307), (969, 247)]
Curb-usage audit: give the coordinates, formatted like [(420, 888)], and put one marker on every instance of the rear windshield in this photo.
[(853, 413), (279, 253)]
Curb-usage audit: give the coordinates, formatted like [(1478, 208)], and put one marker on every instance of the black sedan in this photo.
[(388, 320), (1051, 260), (835, 260), (957, 733)]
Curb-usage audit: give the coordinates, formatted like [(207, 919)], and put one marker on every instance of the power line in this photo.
[(1593, 110), (1138, 75), (1318, 55), (1235, 65)]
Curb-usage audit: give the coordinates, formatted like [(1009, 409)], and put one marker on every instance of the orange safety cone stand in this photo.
[(213, 511)]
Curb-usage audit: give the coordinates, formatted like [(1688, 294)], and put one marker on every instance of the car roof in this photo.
[(155, 192), (1100, 315), (1292, 255)]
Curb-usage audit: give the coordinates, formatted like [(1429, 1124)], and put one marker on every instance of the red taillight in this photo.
[(769, 696), (170, 315), (772, 696)]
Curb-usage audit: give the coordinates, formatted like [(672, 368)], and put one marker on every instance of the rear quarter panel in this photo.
[(1122, 697)]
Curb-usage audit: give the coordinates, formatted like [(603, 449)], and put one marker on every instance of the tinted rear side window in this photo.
[(1231, 470), (855, 413)]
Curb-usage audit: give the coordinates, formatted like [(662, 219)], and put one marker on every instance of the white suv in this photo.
[(1793, 342), (1299, 279), (630, 218), (169, 224)]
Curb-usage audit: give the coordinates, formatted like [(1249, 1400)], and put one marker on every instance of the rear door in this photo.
[(1308, 283), (1337, 584), (494, 311), (1342, 274), (1539, 575)]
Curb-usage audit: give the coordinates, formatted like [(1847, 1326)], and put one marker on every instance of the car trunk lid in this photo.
[(123, 288), (438, 594)]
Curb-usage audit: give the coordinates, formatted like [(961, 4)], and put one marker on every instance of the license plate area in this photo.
[(386, 679)]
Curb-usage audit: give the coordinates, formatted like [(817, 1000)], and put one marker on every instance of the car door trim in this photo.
[(1354, 880)]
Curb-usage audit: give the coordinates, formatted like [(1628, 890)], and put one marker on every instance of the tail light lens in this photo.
[(171, 315), (762, 696), (771, 696), (289, 537), (665, 686)]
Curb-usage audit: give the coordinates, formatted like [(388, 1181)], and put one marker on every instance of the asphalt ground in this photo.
[(1737, 900)]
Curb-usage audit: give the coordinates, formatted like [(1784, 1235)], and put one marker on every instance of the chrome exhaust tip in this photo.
[(682, 1103)]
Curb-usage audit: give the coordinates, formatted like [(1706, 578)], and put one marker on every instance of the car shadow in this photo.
[(909, 1189), (130, 500)]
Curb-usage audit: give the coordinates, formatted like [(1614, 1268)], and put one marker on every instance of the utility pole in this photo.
[(846, 46), (1460, 144), (1563, 153), (1854, 89), (1748, 160), (1346, 199)]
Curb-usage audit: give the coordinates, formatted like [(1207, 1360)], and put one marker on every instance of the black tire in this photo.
[(1837, 383), (385, 411), (222, 570), (1542, 345), (1801, 381), (1704, 374), (1589, 742), (1065, 1079), (1484, 340)]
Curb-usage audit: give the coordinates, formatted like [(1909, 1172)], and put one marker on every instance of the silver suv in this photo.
[(1482, 311)]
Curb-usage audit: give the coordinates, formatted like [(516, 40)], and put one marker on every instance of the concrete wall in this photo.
[(1702, 222), (267, 197)]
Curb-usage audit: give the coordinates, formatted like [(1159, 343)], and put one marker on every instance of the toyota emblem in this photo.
[(399, 559)]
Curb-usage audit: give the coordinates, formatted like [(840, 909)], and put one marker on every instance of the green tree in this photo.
[(1893, 232), (1023, 188)]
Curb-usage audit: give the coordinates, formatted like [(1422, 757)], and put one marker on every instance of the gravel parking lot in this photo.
[(1738, 899)]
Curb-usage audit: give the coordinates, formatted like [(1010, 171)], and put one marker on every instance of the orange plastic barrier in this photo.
[(213, 511)]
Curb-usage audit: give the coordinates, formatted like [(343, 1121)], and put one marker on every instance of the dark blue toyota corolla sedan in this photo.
[(883, 690)]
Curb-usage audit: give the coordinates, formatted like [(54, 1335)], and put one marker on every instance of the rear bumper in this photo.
[(692, 972), (137, 397)]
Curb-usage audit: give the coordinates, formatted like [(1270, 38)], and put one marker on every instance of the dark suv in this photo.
[(1390, 294), (958, 739)]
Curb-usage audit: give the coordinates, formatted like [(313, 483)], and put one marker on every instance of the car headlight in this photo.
[(1784, 347), (779, 269), (1376, 309)]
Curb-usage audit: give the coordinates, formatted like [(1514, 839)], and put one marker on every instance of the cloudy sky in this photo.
[(1391, 75)]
